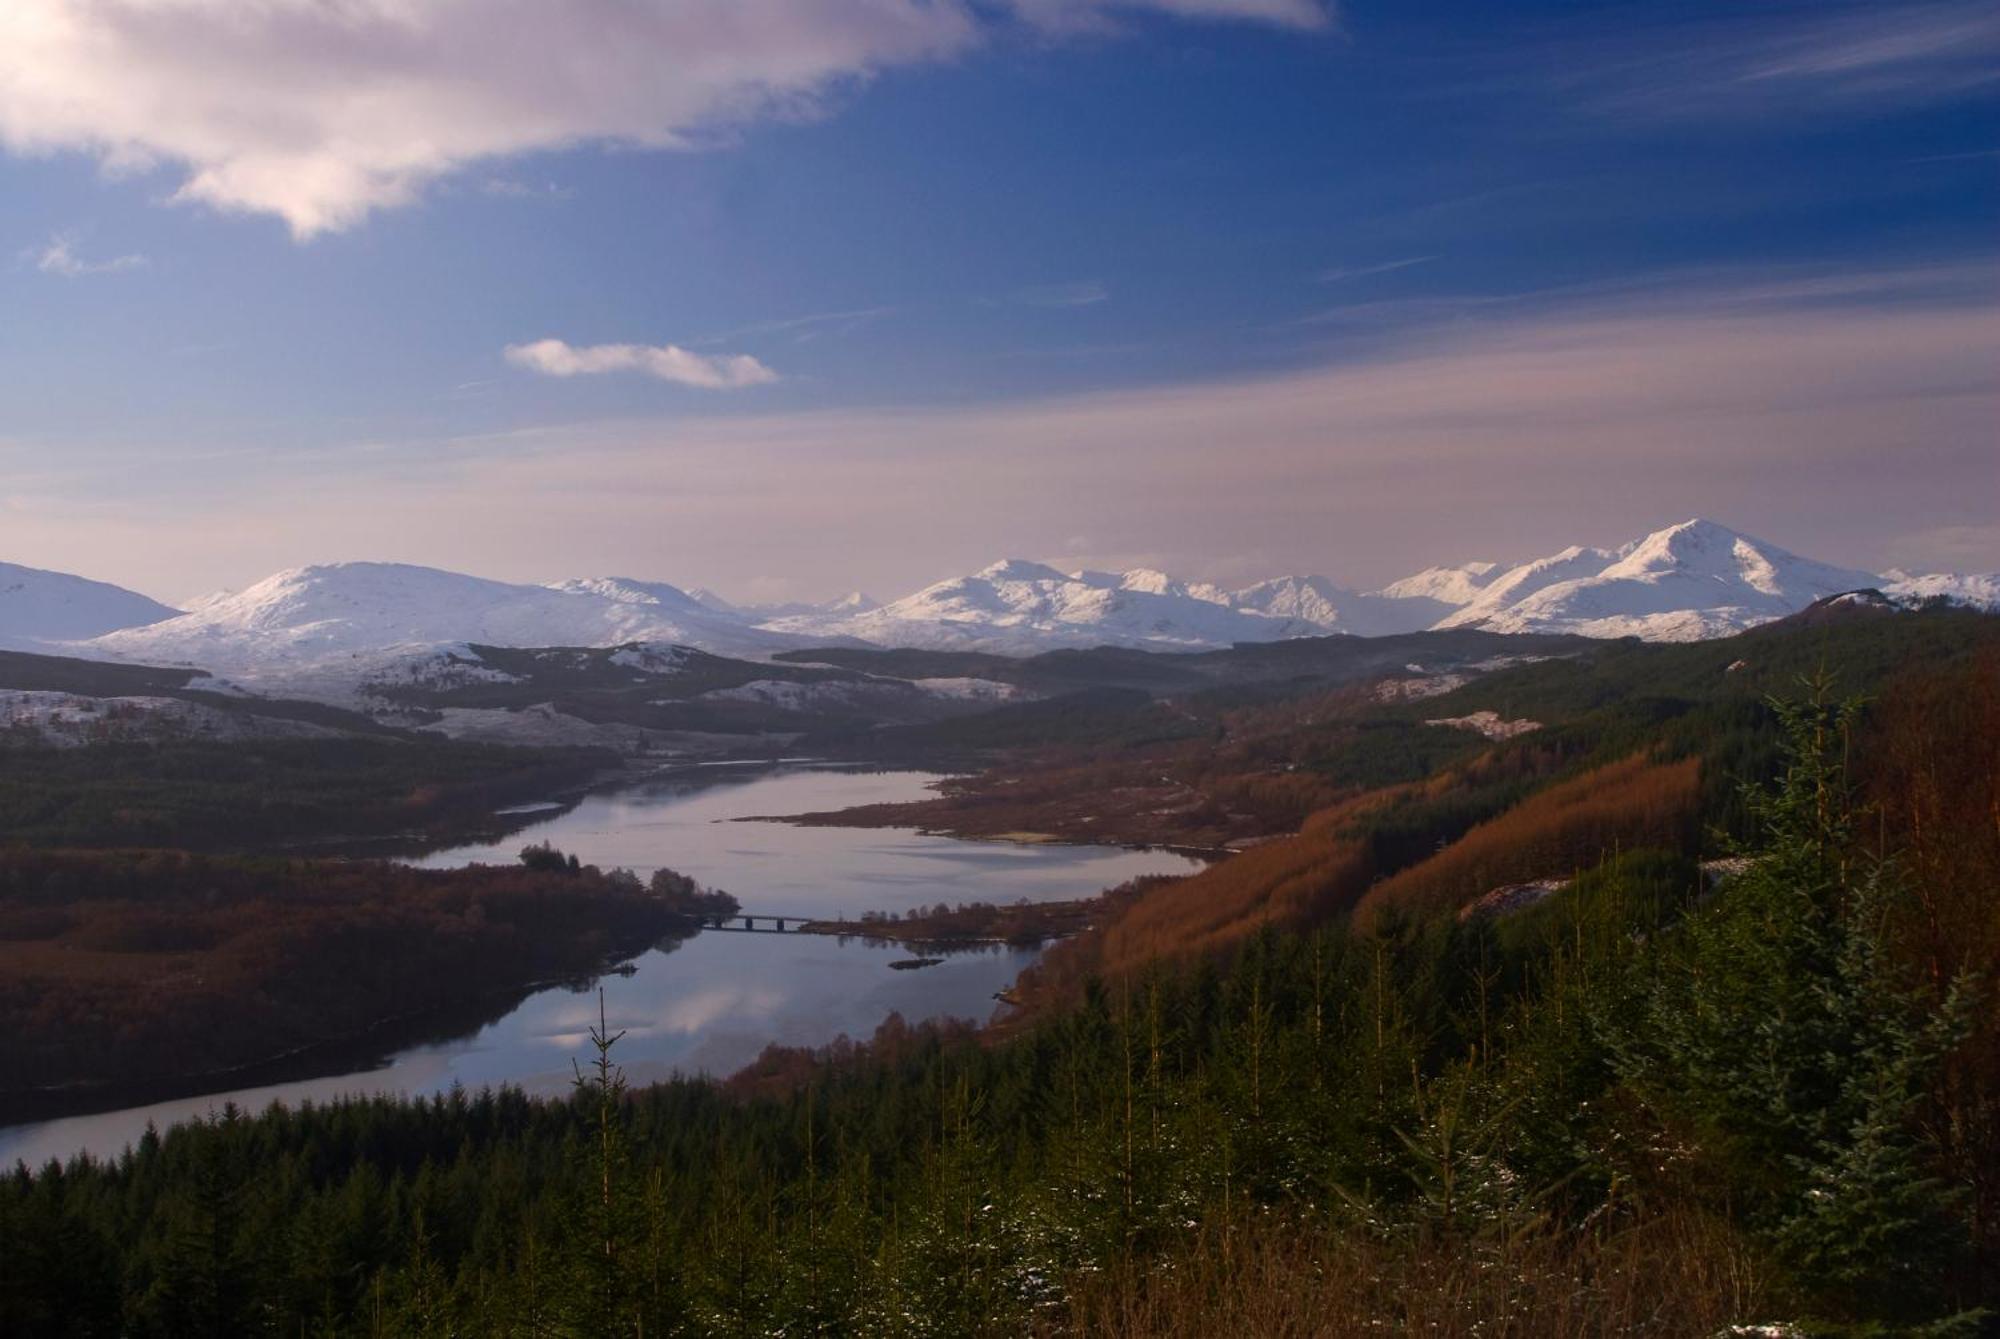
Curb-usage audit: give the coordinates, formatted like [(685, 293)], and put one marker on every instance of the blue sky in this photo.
[(810, 294)]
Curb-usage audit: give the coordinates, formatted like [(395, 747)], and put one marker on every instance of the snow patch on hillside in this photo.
[(69, 720)]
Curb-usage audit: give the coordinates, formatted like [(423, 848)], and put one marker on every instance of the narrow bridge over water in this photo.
[(744, 924)]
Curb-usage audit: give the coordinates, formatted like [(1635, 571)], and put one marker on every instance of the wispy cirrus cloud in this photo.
[(1834, 57), (810, 326), (1342, 273), (59, 256), (1084, 293), (665, 362), (322, 113)]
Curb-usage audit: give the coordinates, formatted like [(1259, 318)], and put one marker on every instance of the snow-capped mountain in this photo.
[(1686, 582), (1505, 588), (649, 595), (1018, 606), (38, 607), (367, 613), (321, 630), (1452, 586), (854, 602), (1980, 590), (1330, 608)]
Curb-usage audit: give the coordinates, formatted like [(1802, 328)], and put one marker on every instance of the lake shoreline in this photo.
[(707, 1008)]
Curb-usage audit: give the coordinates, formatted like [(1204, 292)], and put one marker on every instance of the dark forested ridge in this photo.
[(136, 969), (1676, 1013), (268, 794)]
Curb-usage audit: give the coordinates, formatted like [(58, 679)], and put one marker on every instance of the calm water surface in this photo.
[(711, 1003)]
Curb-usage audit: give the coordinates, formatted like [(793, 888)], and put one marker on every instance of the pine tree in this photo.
[(1780, 1027), (605, 1219)]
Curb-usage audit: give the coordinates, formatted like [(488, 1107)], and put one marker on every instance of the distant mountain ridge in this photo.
[(362, 612), (1685, 582), (38, 606)]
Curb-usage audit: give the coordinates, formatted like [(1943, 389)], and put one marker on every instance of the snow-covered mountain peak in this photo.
[(1149, 580), (1978, 590), (1700, 549), (1310, 599), (1694, 548), (1687, 581), (1152, 581), (1519, 582), (1017, 569), (1447, 585), (360, 613), (628, 590), (37, 607), (709, 599), (329, 622), (1019, 606)]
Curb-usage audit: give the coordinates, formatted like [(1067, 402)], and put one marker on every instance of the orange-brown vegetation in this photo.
[(1148, 802), (1251, 773), (1567, 828), (1677, 1273), (1292, 880), (1334, 867)]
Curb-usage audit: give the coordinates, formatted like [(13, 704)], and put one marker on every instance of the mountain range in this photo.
[(1688, 581)]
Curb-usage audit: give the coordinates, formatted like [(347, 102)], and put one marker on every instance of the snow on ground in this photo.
[(437, 671), (68, 720), (1423, 683), (652, 659), (1489, 724), (794, 696), (1420, 687), (970, 690), (1510, 898)]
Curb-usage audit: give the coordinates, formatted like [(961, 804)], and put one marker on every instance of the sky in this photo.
[(790, 297)]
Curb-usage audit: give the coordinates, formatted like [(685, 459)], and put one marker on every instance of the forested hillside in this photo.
[(152, 971), (1323, 1088)]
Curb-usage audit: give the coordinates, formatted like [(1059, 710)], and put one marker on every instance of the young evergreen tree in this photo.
[(1778, 1026), (606, 1217)]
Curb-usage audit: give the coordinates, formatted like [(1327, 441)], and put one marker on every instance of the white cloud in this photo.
[(323, 111), (59, 257), (668, 362)]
